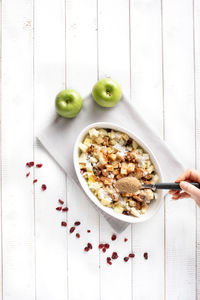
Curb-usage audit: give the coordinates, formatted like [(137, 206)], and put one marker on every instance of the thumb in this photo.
[(193, 191)]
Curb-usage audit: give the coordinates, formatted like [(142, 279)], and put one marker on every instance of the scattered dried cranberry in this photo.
[(63, 224), (77, 223), (131, 255), (125, 240), (88, 231), (78, 235), (65, 209), (30, 164), (89, 245), (59, 208), (146, 255), (126, 212), (43, 187), (113, 238), (82, 171), (114, 255), (35, 180), (86, 249), (101, 246), (107, 246), (39, 165), (60, 201), (72, 229), (108, 258), (104, 250), (27, 174), (126, 259)]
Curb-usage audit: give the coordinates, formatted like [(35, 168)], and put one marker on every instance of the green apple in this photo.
[(107, 92), (68, 103)]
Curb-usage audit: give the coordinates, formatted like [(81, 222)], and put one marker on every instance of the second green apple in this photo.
[(107, 92)]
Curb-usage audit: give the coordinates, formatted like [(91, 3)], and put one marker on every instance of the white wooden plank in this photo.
[(114, 61), (17, 148), (179, 132), (49, 78), (83, 268), (146, 70), (1, 236), (196, 11)]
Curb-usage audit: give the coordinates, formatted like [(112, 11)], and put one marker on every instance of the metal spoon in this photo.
[(132, 185), (167, 186)]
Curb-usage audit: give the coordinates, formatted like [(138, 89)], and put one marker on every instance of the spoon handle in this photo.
[(173, 186)]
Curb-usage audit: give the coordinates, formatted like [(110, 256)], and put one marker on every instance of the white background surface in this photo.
[(152, 48)]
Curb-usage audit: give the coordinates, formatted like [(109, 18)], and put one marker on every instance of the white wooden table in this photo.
[(152, 48)]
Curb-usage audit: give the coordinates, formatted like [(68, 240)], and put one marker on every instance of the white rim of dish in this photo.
[(129, 219)]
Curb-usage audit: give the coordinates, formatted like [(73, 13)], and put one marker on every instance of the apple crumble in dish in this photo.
[(107, 155)]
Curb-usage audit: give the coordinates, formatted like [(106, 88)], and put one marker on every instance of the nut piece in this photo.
[(128, 185)]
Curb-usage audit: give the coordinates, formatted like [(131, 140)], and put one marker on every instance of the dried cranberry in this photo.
[(44, 187), (27, 174), (113, 238), (77, 223), (108, 129), (35, 180), (30, 164), (129, 142), (82, 171), (114, 255), (86, 249), (60, 201), (63, 224), (108, 259), (104, 250), (59, 208), (101, 246), (131, 255), (107, 246), (146, 255), (78, 235), (89, 245), (126, 259), (39, 165), (125, 240), (126, 212), (88, 231), (65, 209), (72, 229)]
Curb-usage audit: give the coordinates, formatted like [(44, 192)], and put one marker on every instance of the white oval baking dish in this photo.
[(154, 205)]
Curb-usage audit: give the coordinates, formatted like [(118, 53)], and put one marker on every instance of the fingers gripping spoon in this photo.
[(132, 185)]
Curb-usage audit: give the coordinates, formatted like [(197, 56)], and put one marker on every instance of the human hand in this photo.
[(187, 189)]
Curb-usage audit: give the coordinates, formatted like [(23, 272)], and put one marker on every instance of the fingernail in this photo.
[(183, 185)]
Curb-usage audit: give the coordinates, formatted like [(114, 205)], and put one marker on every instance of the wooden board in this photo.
[(18, 241), (147, 94), (196, 27), (114, 62), (152, 49), (179, 109), (81, 70), (49, 78)]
